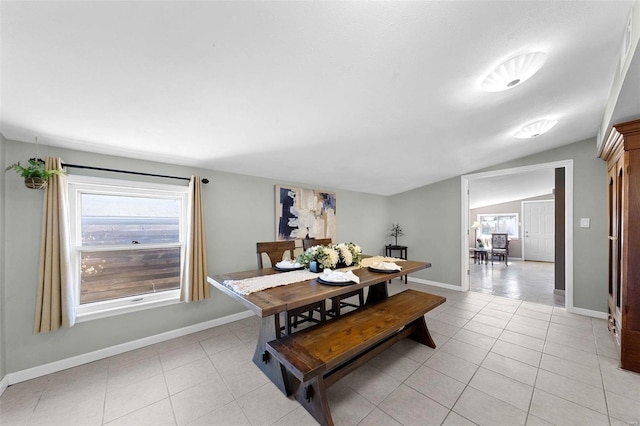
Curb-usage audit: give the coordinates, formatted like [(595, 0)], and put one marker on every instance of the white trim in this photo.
[(435, 284), (135, 304), (464, 191), (568, 233), (63, 364), (578, 311), (590, 313), (464, 202), (4, 384), (79, 185)]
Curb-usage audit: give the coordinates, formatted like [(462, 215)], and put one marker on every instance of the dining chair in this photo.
[(310, 242), (338, 302), (500, 247), (276, 251)]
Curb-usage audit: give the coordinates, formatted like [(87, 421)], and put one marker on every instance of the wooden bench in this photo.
[(315, 358)]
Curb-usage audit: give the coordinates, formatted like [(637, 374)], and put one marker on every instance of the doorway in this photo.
[(566, 248)]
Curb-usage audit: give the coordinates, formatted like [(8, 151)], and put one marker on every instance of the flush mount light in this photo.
[(514, 72), (535, 129)]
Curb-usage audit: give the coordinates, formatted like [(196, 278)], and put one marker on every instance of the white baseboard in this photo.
[(589, 313), (579, 311), (63, 364), (435, 284), (4, 384)]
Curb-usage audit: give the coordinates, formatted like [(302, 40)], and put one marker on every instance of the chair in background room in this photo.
[(500, 247), (276, 251)]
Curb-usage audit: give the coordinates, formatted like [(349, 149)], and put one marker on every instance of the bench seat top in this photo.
[(312, 351)]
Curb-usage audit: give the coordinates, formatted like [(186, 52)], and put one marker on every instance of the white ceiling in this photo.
[(494, 190), (378, 97)]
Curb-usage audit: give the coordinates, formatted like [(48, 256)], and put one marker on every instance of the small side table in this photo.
[(389, 249), (479, 255)]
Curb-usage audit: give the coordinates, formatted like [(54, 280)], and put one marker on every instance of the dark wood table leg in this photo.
[(269, 331), (377, 292), (406, 256)]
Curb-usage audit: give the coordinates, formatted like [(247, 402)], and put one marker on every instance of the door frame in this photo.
[(568, 217), (522, 215)]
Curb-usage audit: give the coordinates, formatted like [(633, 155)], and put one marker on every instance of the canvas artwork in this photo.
[(304, 213)]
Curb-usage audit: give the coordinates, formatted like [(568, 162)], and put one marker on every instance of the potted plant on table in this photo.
[(35, 175)]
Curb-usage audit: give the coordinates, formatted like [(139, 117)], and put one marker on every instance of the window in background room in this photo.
[(127, 243), (498, 223)]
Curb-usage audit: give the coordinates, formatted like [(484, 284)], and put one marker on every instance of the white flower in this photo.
[(332, 255), (345, 253)]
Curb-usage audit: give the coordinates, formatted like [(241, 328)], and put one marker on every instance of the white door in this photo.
[(539, 231)]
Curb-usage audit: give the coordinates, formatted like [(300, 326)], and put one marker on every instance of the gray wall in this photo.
[(239, 211), (515, 246), (432, 217)]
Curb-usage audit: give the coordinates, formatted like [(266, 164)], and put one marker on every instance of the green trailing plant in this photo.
[(35, 169)]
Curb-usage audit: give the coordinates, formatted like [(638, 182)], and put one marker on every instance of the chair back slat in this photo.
[(310, 242), (275, 251)]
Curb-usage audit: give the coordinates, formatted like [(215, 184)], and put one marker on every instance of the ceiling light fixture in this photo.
[(514, 72), (535, 129)]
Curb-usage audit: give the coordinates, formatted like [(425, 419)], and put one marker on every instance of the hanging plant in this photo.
[(35, 175)]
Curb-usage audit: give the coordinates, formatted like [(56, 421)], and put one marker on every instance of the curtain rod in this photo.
[(76, 166)]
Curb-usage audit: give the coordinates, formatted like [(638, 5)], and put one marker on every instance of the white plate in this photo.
[(341, 282), (297, 268)]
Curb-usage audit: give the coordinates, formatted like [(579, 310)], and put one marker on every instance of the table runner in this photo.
[(252, 285)]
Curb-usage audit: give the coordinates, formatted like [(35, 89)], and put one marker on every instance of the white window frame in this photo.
[(515, 236), (79, 185)]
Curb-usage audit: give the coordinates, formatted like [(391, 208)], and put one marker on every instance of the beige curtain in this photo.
[(55, 306), (194, 274)]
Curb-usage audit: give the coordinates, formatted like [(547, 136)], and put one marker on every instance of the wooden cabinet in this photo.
[(622, 154)]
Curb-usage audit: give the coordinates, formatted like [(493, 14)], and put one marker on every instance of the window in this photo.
[(127, 244), (498, 223)]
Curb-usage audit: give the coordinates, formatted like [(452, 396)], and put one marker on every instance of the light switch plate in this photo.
[(585, 222)]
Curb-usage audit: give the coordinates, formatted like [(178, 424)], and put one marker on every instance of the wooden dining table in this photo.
[(269, 303)]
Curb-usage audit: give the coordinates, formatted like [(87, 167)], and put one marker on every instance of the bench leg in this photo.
[(312, 395), (421, 333)]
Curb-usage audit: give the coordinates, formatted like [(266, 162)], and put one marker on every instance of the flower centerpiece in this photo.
[(331, 256), (350, 254)]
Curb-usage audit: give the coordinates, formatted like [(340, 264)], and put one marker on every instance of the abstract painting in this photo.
[(304, 213)]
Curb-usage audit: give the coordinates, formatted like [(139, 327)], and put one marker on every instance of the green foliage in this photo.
[(329, 256), (36, 168)]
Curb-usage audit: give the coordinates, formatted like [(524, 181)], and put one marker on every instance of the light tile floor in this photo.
[(523, 280), (498, 362)]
